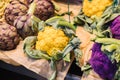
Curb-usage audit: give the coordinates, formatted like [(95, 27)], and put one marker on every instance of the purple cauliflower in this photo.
[(101, 64), (115, 28)]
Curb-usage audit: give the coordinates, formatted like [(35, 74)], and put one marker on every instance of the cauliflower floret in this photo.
[(95, 7), (51, 40)]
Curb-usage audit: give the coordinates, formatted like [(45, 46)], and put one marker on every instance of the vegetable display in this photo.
[(104, 25), (54, 39), (93, 23), (54, 42)]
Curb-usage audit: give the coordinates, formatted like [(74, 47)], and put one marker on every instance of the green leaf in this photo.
[(78, 55), (35, 22), (108, 41), (110, 47), (66, 24), (54, 19), (59, 22), (67, 58), (115, 3), (28, 48), (88, 20), (86, 67), (36, 19), (41, 25), (117, 76), (58, 56), (32, 8), (116, 56), (53, 76), (53, 67), (75, 42), (53, 64)]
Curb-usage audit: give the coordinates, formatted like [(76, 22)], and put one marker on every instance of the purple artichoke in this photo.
[(14, 9), (9, 38), (101, 64), (115, 28), (44, 9)]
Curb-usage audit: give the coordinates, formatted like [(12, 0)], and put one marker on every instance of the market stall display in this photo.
[(52, 33)]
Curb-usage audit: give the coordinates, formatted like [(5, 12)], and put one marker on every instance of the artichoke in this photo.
[(44, 9), (9, 38), (27, 25), (13, 10)]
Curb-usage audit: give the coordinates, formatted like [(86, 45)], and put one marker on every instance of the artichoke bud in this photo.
[(14, 9), (9, 38), (44, 9), (27, 25)]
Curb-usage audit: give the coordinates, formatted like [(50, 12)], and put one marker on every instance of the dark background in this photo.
[(9, 72)]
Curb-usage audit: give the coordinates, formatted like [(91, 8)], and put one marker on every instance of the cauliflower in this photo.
[(115, 28), (51, 40), (101, 64), (3, 4), (95, 7)]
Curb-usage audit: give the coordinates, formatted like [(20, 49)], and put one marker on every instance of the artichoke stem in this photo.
[(32, 8)]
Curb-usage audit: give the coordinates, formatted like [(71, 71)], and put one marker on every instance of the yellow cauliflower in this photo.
[(3, 4), (51, 40), (95, 7)]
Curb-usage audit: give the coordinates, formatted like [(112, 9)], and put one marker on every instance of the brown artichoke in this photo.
[(14, 9), (9, 38), (27, 25), (44, 9)]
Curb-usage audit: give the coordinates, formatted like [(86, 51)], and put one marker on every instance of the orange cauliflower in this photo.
[(51, 40), (95, 7)]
